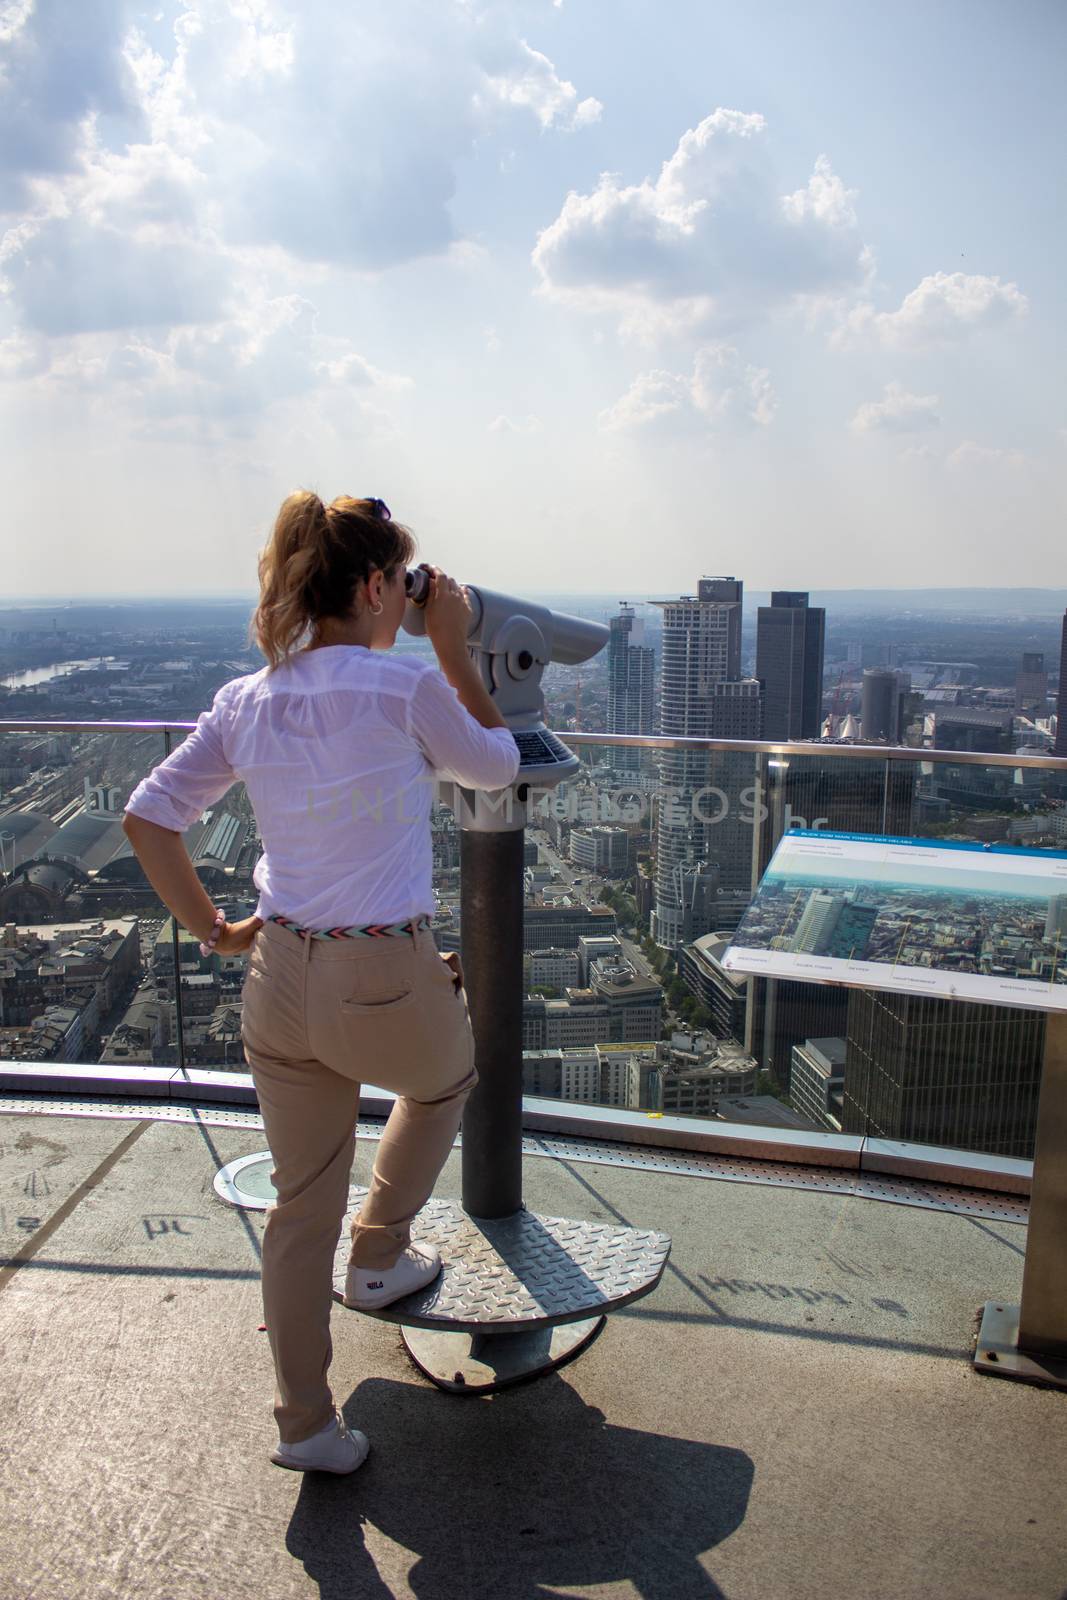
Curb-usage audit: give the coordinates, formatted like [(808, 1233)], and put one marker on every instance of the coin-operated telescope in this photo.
[(552, 1286), (511, 641)]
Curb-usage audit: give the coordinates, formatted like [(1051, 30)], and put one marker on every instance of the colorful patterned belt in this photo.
[(373, 930)]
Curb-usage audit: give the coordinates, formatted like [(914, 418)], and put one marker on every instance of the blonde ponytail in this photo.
[(313, 563)]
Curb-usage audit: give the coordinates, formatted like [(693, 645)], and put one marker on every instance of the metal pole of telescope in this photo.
[(491, 905)]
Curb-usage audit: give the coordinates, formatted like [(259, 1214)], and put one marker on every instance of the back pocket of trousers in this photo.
[(377, 1008)]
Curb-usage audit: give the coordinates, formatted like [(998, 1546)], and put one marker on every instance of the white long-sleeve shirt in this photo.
[(339, 751)]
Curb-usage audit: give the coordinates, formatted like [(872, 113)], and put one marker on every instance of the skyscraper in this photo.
[(944, 1072), (1031, 685), (1060, 746), (834, 925), (880, 707), (1056, 917), (631, 683), (701, 820), (852, 931), (789, 664), (817, 922), (817, 791)]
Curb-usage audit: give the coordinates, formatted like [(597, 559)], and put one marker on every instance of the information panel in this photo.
[(957, 921)]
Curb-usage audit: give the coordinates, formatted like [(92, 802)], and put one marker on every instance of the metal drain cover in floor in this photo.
[(246, 1183)]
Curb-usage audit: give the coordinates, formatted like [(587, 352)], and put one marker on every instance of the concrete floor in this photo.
[(790, 1416)]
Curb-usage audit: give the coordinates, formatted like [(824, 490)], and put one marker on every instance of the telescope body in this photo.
[(512, 641)]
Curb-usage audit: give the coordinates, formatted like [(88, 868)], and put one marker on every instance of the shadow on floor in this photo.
[(507, 1494)]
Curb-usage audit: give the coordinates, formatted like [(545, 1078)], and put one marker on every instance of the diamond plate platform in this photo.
[(518, 1273)]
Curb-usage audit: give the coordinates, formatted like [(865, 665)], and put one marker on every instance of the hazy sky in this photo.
[(598, 296)]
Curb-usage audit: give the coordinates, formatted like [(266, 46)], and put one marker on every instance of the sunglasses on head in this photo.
[(416, 579)]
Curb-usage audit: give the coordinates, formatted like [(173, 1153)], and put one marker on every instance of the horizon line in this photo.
[(244, 596)]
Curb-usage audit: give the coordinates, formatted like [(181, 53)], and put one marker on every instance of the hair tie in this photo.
[(380, 508)]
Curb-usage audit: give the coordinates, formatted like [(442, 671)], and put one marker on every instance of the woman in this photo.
[(339, 745)]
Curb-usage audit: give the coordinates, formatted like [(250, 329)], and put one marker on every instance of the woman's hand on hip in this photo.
[(236, 937), (451, 959)]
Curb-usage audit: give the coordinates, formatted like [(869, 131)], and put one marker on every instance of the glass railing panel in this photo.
[(90, 955), (797, 1031), (86, 962), (638, 869), (924, 1069), (446, 838), (953, 1072), (224, 846), (636, 872)]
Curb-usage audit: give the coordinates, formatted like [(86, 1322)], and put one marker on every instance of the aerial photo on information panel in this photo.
[(966, 921)]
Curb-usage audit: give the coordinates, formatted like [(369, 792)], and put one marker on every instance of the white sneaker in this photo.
[(335, 1448), (370, 1288)]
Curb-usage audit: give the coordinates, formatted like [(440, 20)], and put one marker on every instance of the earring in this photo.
[(377, 610)]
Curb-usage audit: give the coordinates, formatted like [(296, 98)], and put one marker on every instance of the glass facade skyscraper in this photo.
[(943, 1072), (1060, 746), (703, 837), (790, 637), (631, 684)]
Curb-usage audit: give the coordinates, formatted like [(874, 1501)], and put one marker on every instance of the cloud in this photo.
[(21, 357), (722, 390), (70, 277), (59, 64), (341, 143), (529, 424), (969, 455), (943, 308), (222, 379), (172, 173), (899, 412), (535, 85), (334, 138), (920, 453), (709, 241)]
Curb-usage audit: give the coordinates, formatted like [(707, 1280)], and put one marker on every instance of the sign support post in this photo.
[(1029, 1341)]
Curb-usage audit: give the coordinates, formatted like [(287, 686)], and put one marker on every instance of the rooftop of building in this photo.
[(792, 1413), (829, 1052), (628, 984)]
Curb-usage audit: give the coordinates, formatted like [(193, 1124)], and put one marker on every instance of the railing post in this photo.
[(175, 944)]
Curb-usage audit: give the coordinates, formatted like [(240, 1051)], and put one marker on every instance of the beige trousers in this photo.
[(319, 1018)]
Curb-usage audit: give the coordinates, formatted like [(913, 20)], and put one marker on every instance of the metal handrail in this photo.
[(642, 741), (816, 747)]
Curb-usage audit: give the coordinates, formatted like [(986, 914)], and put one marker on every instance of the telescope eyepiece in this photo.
[(417, 585)]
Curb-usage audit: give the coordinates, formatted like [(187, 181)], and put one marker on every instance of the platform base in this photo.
[(998, 1351), (518, 1274), (477, 1363)]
